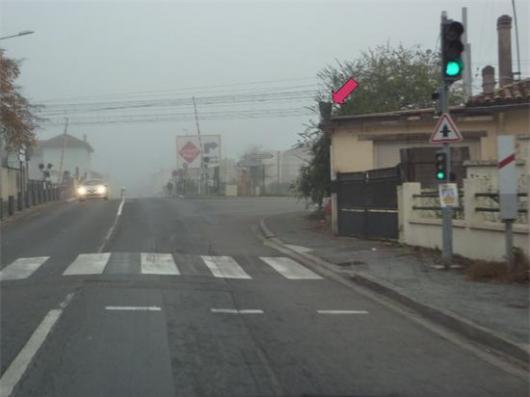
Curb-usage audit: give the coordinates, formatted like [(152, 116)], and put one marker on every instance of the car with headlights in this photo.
[(93, 188)]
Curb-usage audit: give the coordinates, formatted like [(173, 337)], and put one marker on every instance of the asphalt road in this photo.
[(181, 298)]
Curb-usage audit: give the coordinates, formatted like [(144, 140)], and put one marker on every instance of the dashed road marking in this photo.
[(22, 268), (236, 311), (290, 269), (20, 364), (163, 264), (134, 308), (342, 312), (225, 267), (88, 264)]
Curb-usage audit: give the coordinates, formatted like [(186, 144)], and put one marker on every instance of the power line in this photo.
[(193, 89)]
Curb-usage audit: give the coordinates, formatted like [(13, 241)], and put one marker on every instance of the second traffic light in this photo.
[(441, 166), (452, 49)]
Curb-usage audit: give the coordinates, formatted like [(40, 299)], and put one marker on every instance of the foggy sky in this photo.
[(102, 49)]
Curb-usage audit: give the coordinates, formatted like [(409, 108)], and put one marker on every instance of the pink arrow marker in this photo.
[(343, 92)]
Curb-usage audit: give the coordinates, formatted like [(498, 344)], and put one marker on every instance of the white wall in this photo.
[(473, 237)]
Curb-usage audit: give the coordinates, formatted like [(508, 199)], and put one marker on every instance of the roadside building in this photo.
[(74, 152), (374, 143)]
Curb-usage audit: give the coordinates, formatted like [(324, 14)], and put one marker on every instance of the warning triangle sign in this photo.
[(445, 131)]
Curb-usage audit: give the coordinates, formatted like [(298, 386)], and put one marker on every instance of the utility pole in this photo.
[(468, 79), (516, 40), (452, 67), (61, 162), (201, 173)]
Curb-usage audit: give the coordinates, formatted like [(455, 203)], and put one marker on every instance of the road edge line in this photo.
[(466, 328)]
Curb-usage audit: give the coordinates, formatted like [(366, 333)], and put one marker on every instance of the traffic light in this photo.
[(441, 166), (452, 49)]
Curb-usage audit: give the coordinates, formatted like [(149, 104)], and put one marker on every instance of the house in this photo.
[(65, 153), (377, 141), (369, 141)]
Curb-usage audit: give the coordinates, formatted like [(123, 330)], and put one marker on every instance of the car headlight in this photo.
[(81, 190), (101, 189)]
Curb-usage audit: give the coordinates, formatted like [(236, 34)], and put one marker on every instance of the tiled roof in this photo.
[(517, 92), (71, 141)]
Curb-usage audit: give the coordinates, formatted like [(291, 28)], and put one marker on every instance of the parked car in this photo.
[(93, 188)]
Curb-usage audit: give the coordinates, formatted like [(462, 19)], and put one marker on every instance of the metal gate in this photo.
[(367, 203)]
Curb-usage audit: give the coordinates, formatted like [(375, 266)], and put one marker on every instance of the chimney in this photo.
[(504, 33), (488, 80)]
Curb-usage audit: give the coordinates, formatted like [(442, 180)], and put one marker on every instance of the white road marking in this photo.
[(290, 269), (113, 227), (22, 268), (134, 308), (224, 267), (158, 264), (120, 208), (88, 264), (18, 367), (342, 312), (235, 311)]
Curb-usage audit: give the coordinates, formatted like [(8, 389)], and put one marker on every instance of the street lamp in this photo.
[(22, 33)]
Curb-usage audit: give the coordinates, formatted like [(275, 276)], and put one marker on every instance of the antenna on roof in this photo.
[(60, 176)]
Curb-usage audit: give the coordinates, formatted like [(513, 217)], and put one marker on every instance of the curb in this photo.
[(460, 325), (31, 211)]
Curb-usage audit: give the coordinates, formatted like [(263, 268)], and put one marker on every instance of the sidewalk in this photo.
[(499, 309)]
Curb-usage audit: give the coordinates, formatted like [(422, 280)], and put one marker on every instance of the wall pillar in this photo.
[(405, 212)]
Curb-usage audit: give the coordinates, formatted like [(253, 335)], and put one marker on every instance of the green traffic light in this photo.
[(453, 68), (440, 175)]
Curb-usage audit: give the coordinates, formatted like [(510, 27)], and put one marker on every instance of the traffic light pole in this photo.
[(447, 211)]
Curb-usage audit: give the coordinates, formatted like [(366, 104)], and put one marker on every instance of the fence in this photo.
[(478, 231), (16, 196)]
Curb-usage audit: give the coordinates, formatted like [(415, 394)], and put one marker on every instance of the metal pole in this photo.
[(447, 212), (516, 39), (60, 176), (468, 79), (201, 173), (509, 244)]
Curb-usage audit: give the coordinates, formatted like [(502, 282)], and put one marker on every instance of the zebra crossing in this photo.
[(162, 264)]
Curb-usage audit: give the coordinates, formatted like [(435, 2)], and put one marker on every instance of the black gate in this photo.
[(367, 203)]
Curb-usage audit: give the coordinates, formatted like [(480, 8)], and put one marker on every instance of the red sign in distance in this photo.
[(189, 152), (343, 92)]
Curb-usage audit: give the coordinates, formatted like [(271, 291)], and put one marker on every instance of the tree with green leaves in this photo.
[(17, 121), (390, 79)]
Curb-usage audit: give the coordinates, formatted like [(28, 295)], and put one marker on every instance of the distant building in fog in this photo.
[(76, 159)]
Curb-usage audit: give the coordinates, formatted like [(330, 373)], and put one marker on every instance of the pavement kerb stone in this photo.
[(34, 210), (462, 326)]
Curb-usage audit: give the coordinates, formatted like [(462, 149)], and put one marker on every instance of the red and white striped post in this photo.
[(507, 191)]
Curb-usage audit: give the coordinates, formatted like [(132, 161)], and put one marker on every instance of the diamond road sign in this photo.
[(189, 152), (446, 131)]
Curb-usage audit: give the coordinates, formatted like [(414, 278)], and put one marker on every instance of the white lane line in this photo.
[(120, 208), (236, 311), (88, 264), (113, 227), (342, 312), (224, 267), (22, 268), (158, 264), (290, 269), (134, 308), (18, 367)]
